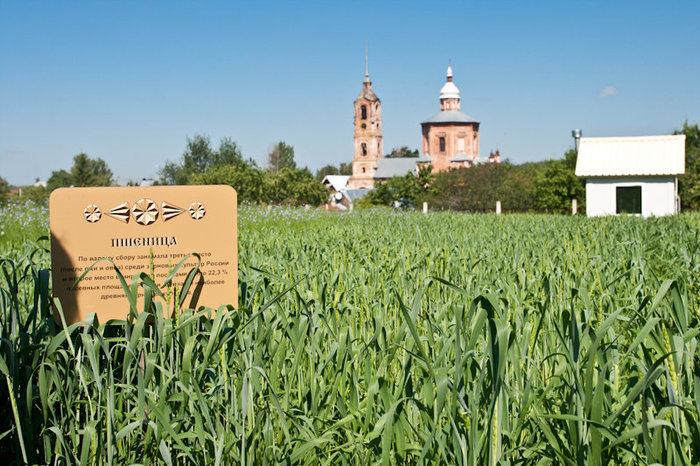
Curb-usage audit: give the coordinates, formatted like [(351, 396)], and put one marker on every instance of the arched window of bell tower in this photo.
[(363, 112), (364, 149)]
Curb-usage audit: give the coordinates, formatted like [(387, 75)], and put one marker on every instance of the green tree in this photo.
[(570, 157), (556, 186), (342, 169), (248, 181), (89, 172), (228, 154), (689, 183), (85, 172), (198, 158), (59, 179), (402, 152), (198, 155), (4, 190), (473, 189), (408, 190), (38, 194), (172, 173), (295, 185), (478, 188), (515, 188), (281, 156), (290, 185), (325, 171)]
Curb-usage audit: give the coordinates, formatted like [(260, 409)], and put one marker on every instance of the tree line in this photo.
[(280, 182), (547, 186)]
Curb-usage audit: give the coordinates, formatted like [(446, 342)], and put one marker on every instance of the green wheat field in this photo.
[(373, 337)]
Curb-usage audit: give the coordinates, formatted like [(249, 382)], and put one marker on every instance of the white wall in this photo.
[(658, 195)]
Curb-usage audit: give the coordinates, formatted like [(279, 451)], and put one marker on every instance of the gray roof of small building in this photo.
[(450, 116), (462, 157), (399, 166), (353, 194)]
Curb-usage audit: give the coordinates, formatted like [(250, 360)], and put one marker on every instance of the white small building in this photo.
[(342, 197), (632, 175)]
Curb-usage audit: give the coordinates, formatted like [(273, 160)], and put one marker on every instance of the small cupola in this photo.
[(449, 94)]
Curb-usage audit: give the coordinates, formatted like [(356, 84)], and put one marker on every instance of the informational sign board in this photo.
[(142, 229)]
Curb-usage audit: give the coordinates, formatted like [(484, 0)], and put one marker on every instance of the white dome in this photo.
[(449, 91)]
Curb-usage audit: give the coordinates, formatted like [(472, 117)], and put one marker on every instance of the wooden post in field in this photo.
[(352, 206), (326, 206), (574, 206), (498, 207), (425, 207)]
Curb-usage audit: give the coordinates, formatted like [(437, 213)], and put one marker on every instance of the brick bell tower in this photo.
[(368, 144)]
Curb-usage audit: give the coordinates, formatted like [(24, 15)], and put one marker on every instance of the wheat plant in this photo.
[(376, 338)]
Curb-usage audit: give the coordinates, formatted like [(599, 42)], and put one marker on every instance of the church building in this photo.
[(368, 143), (450, 137)]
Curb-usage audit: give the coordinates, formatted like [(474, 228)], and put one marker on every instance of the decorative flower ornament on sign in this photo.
[(197, 210), (92, 213), (145, 211)]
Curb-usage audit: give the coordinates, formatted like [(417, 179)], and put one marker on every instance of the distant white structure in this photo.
[(342, 197), (632, 175), (336, 182)]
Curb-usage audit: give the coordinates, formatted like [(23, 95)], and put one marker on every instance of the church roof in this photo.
[(449, 90), (368, 94), (338, 182), (631, 156), (399, 166), (450, 116)]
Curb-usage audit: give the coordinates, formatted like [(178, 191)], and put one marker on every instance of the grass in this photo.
[(378, 337)]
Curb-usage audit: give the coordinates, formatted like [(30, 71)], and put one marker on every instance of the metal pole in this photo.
[(576, 134)]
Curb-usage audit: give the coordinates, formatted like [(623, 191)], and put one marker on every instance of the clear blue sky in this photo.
[(129, 81)]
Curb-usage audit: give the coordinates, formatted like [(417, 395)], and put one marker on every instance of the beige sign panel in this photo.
[(142, 229)]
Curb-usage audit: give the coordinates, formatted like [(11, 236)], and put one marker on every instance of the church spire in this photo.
[(449, 94), (367, 82)]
